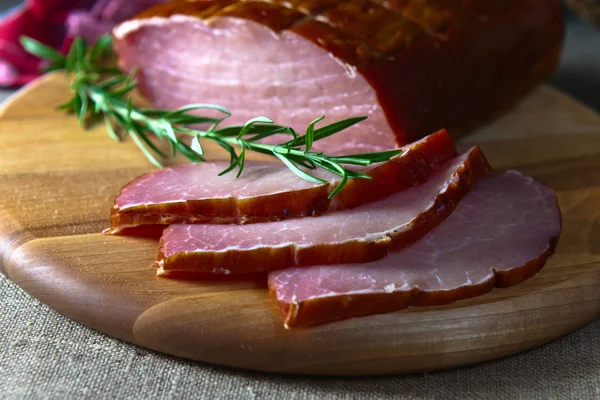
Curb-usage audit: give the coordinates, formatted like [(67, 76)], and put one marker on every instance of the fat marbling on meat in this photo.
[(361, 234), (500, 234)]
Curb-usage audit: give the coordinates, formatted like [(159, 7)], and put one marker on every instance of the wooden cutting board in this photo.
[(58, 184)]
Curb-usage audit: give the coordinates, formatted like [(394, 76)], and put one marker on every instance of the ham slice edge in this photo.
[(500, 234)]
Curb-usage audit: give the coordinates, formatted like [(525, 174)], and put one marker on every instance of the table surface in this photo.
[(45, 355)]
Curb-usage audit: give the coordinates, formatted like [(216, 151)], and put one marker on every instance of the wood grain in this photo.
[(58, 183)]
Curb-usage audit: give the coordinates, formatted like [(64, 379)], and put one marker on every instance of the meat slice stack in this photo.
[(430, 227), (412, 66), (365, 233), (432, 241), (499, 235)]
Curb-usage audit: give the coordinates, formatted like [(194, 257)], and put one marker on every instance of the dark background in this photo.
[(579, 71)]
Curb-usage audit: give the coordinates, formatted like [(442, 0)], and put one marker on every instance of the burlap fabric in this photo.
[(44, 355)]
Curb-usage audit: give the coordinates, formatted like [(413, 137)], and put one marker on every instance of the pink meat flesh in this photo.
[(506, 222), (267, 191), (383, 224), (202, 181), (245, 67)]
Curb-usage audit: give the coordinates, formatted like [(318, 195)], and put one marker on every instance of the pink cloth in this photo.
[(55, 23)]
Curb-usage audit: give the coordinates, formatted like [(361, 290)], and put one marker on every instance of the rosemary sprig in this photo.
[(104, 91)]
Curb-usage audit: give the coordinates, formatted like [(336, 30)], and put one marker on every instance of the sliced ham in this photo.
[(361, 234), (412, 66), (194, 193), (500, 234)]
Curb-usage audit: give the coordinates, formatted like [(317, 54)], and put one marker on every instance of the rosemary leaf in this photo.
[(192, 107), (298, 171), (196, 146), (102, 47), (241, 160), (248, 126), (310, 132), (148, 142), (134, 135), (267, 133), (354, 175), (237, 129), (109, 128), (110, 82), (230, 168), (188, 152), (75, 51), (186, 119), (336, 127), (372, 157), (344, 173), (84, 106), (232, 154), (122, 91), (40, 50)]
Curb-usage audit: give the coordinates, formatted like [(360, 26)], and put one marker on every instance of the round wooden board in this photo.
[(58, 183)]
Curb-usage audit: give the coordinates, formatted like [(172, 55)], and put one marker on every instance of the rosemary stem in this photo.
[(117, 106)]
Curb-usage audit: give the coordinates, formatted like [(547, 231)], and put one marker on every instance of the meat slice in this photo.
[(412, 66), (194, 193), (499, 235), (365, 233)]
